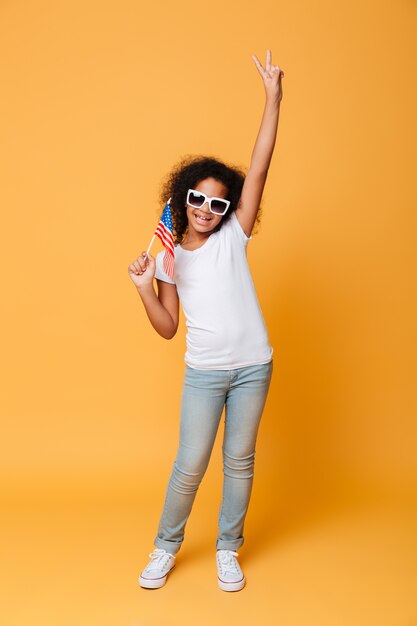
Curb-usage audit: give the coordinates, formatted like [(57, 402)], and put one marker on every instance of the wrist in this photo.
[(273, 100), (145, 288)]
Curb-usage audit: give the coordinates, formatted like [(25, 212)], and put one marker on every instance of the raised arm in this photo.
[(264, 146)]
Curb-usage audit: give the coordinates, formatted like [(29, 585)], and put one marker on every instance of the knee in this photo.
[(238, 465), (186, 476)]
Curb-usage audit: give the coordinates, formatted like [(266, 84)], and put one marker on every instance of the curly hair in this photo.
[(186, 174)]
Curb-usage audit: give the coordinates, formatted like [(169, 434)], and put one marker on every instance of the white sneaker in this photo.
[(155, 573), (230, 576)]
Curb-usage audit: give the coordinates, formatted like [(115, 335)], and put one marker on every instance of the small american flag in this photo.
[(164, 231)]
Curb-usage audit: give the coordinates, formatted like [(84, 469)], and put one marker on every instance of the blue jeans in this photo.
[(205, 392)]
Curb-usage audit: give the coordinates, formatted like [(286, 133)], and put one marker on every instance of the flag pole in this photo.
[(150, 245)]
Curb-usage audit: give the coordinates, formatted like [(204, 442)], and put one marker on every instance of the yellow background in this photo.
[(99, 100)]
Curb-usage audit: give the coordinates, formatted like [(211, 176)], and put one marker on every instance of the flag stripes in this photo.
[(164, 231)]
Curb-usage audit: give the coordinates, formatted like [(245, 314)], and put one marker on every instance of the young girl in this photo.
[(228, 361)]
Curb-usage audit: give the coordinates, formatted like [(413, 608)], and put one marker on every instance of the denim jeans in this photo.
[(205, 392)]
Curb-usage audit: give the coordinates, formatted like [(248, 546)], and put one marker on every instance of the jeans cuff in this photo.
[(228, 545), (170, 546)]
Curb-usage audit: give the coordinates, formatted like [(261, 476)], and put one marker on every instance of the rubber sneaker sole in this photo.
[(154, 583), (231, 586)]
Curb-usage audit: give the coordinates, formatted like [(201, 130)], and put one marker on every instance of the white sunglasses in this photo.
[(197, 199)]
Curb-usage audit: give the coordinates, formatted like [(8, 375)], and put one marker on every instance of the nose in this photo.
[(205, 207)]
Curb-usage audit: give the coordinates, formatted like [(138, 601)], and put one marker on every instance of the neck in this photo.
[(193, 236)]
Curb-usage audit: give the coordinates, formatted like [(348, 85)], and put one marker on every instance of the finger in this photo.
[(268, 61), (258, 65), (132, 269), (149, 259), (136, 268), (145, 259), (141, 264)]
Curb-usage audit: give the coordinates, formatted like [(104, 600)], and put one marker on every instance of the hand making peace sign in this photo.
[(272, 75)]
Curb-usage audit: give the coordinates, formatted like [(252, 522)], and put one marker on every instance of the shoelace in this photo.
[(228, 562), (159, 559)]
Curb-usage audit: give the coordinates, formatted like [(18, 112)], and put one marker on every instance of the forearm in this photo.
[(265, 141), (158, 316)]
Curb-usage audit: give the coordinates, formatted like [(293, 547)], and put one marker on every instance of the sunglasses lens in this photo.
[(218, 206), (196, 199)]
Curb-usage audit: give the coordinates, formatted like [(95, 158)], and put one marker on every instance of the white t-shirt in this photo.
[(226, 328)]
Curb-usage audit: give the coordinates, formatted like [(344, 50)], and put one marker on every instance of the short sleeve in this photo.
[(235, 224), (159, 271)]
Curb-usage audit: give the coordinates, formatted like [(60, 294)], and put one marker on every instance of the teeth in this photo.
[(207, 219)]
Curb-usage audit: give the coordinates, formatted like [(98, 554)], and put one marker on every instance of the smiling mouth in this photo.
[(202, 219)]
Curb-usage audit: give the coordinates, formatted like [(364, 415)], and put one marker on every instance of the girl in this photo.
[(228, 361)]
